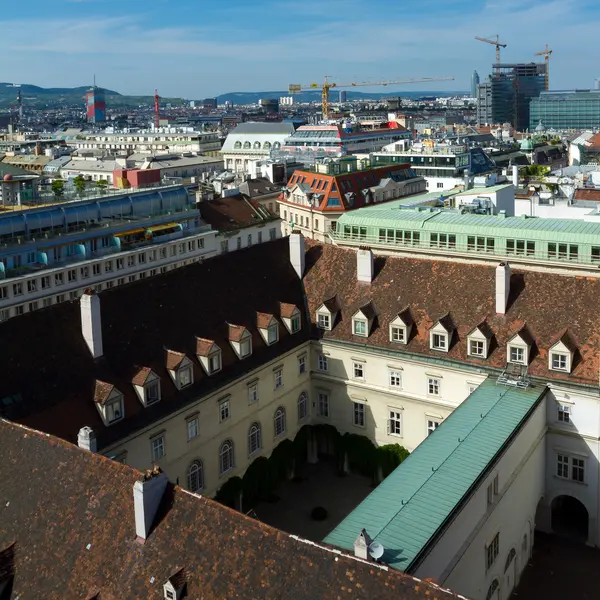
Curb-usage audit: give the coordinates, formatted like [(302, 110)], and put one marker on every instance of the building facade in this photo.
[(95, 100), (564, 110)]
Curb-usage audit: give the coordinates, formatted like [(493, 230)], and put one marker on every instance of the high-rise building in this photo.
[(95, 101), (512, 87), (209, 103), (575, 109), (474, 84), (269, 105), (343, 96)]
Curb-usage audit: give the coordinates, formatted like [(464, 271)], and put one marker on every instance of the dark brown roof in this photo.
[(174, 359), (287, 310), (234, 212), (545, 304), (368, 310), (197, 300), (70, 515), (261, 186), (583, 194), (102, 391), (331, 304)]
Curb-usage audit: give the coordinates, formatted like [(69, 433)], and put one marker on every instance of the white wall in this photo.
[(248, 236)]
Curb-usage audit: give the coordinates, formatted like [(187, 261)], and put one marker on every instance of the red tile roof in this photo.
[(587, 194), (236, 332), (68, 531), (541, 306), (141, 376), (234, 212), (102, 391), (287, 310), (263, 320), (174, 359), (204, 347)]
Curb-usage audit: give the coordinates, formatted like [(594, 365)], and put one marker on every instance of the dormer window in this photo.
[(518, 347), (561, 354), (359, 327), (398, 334), (109, 402), (268, 327), (327, 313), (400, 327), (295, 324), (324, 321), (440, 334), (209, 355), (439, 341), (179, 367), (240, 340), (185, 376), (147, 386), (517, 355), (478, 341), (362, 320)]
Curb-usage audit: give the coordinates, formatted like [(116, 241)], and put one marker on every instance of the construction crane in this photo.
[(156, 109), (495, 42), (295, 88), (546, 54)]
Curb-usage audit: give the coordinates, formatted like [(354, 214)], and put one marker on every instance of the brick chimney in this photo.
[(91, 322), (86, 439), (147, 495), (365, 265), (297, 252), (502, 287)]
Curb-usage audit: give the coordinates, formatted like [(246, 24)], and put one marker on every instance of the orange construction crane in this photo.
[(495, 42), (546, 54), (295, 88)]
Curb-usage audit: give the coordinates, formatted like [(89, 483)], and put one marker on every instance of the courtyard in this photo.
[(318, 485), (559, 569)]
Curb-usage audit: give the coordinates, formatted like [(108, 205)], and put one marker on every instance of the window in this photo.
[(359, 327), (32, 285), (491, 552), (577, 464), (33, 306), (433, 386), (120, 264), (395, 423), (260, 237), (152, 392), (58, 279), (17, 289), (252, 393), (192, 428), (130, 261), (224, 246), (516, 355), (564, 413), (324, 321), (4, 289), (224, 410), (158, 447), (492, 590), (439, 341), (302, 406), (301, 365), (476, 348), (562, 466), (114, 410), (323, 362), (432, 425), (577, 469), (246, 347), (492, 491), (191, 245), (359, 370), (272, 333), (278, 378), (108, 266), (359, 414), (195, 477), (398, 335), (249, 240), (254, 440), (295, 322), (560, 362), (323, 404), (279, 421), (395, 379), (226, 457), (239, 243), (185, 376), (96, 269), (214, 362)]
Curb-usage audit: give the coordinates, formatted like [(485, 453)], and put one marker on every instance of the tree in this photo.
[(79, 183), (58, 188), (102, 184)]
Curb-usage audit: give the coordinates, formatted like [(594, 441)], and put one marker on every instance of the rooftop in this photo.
[(412, 505), (72, 534), (234, 212)]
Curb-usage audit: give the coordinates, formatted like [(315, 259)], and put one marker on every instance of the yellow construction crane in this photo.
[(546, 54), (495, 42), (295, 88)]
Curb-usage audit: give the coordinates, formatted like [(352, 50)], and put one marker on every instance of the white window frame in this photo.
[(474, 342), (272, 334), (324, 321), (157, 447), (245, 347), (358, 414), (560, 356), (358, 370), (148, 388), (324, 405), (302, 406), (295, 324), (566, 462), (214, 357), (360, 327), (193, 427), (302, 364), (185, 376), (563, 414), (395, 422), (195, 473), (439, 341), (398, 334), (492, 550), (279, 424), (395, 379), (224, 410), (254, 438), (278, 378), (226, 449), (433, 386), (432, 425), (323, 362), (110, 410), (252, 393), (517, 349)]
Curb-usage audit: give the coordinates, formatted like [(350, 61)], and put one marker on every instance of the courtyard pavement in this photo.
[(560, 569), (321, 486)]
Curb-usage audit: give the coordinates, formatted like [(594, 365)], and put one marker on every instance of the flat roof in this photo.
[(413, 503)]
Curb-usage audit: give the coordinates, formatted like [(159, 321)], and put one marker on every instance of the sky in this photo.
[(201, 48)]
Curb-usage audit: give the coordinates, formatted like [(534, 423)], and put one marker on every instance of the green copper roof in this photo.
[(451, 221), (407, 509)]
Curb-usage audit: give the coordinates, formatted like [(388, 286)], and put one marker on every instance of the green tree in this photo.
[(58, 188), (79, 183), (102, 184)]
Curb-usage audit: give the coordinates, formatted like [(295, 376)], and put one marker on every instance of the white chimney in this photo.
[(86, 439), (147, 495), (361, 545), (365, 265), (91, 322), (502, 287), (297, 252), (515, 175)]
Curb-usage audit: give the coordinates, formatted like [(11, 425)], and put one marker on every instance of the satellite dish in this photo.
[(376, 550)]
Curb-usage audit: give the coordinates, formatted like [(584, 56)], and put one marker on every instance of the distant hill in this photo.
[(10, 89), (315, 96)]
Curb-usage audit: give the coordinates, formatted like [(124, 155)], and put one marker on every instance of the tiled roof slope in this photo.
[(547, 304), (70, 516), (233, 212), (45, 358)]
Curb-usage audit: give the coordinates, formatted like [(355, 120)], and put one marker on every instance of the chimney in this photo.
[(86, 439), (361, 545), (91, 322), (515, 176), (147, 495), (365, 265), (502, 287), (297, 252)]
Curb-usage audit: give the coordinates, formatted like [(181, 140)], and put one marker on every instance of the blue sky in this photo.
[(199, 48)]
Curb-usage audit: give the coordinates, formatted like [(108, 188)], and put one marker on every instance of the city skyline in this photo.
[(198, 49)]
